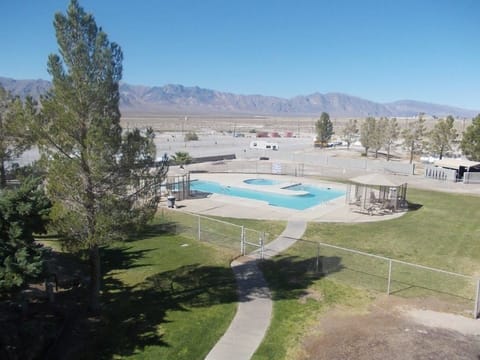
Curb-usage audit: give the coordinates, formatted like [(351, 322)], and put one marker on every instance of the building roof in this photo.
[(378, 180), (456, 163)]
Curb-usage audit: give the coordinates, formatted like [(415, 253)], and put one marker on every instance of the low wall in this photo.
[(439, 173), (471, 178), (203, 159)]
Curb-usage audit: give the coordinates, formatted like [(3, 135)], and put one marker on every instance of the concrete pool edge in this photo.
[(220, 205), (278, 189)]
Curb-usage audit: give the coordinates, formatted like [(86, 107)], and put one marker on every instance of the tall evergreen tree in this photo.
[(378, 136), (391, 133), (367, 133), (442, 136), (102, 182), (350, 132), (14, 120), (413, 136), (470, 144), (324, 128), (23, 212)]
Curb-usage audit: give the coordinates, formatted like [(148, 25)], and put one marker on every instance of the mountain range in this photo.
[(181, 99)]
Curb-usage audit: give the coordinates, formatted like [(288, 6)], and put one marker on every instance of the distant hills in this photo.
[(24, 88), (194, 100)]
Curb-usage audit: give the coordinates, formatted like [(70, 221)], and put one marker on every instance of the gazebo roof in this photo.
[(378, 180)]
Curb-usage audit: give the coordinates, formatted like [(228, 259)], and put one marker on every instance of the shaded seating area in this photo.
[(376, 194)]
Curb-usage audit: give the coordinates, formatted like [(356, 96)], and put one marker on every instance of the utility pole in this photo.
[(183, 131)]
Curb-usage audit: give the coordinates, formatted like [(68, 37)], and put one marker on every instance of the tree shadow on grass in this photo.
[(290, 276), (133, 314), (121, 258), (413, 206), (156, 229)]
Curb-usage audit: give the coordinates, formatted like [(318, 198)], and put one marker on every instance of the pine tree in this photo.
[(470, 144), (324, 128), (390, 135), (102, 181), (14, 120), (442, 136), (23, 212), (378, 136), (350, 132), (367, 133), (413, 137)]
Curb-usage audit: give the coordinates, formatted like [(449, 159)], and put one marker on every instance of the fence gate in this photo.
[(252, 242)]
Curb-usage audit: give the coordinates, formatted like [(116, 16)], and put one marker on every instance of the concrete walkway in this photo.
[(254, 311)]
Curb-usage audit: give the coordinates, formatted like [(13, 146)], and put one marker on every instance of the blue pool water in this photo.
[(296, 200), (260, 182)]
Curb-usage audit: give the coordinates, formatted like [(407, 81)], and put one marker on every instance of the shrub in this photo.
[(191, 136)]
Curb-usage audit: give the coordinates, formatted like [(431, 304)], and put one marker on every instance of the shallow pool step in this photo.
[(285, 186)]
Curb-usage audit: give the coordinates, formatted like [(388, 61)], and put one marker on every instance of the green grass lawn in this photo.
[(442, 232), (271, 227), (165, 296), (222, 231), (170, 297), (300, 298)]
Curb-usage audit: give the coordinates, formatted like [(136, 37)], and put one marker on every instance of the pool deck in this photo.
[(227, 206)]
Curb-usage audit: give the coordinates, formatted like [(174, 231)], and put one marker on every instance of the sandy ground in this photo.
[(395, 329)]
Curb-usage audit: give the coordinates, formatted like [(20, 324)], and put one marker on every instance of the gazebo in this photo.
[(375, 193)]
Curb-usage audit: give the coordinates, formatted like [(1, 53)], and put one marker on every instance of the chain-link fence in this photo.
[(254, 241), (386, 275), (353, 267), (304, 164), (237, 238), (298, 169), (251, 167)]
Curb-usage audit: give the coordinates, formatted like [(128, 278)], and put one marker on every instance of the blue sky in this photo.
[(381, 50)]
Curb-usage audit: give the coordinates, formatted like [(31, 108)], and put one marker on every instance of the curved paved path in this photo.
[(254, 311)]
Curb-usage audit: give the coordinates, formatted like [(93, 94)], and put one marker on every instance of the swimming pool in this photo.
[(261, 182), (297, 200)]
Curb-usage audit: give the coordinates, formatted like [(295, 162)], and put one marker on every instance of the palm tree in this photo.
[(181, 158)]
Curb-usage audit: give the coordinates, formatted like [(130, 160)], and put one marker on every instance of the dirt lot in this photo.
[(385, 334), (295, 124)]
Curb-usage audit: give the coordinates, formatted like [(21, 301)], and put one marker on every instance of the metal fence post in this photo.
[(262, 237), (318, 258), (477, 300), (389, 275), (199, 229), (242, 241)]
